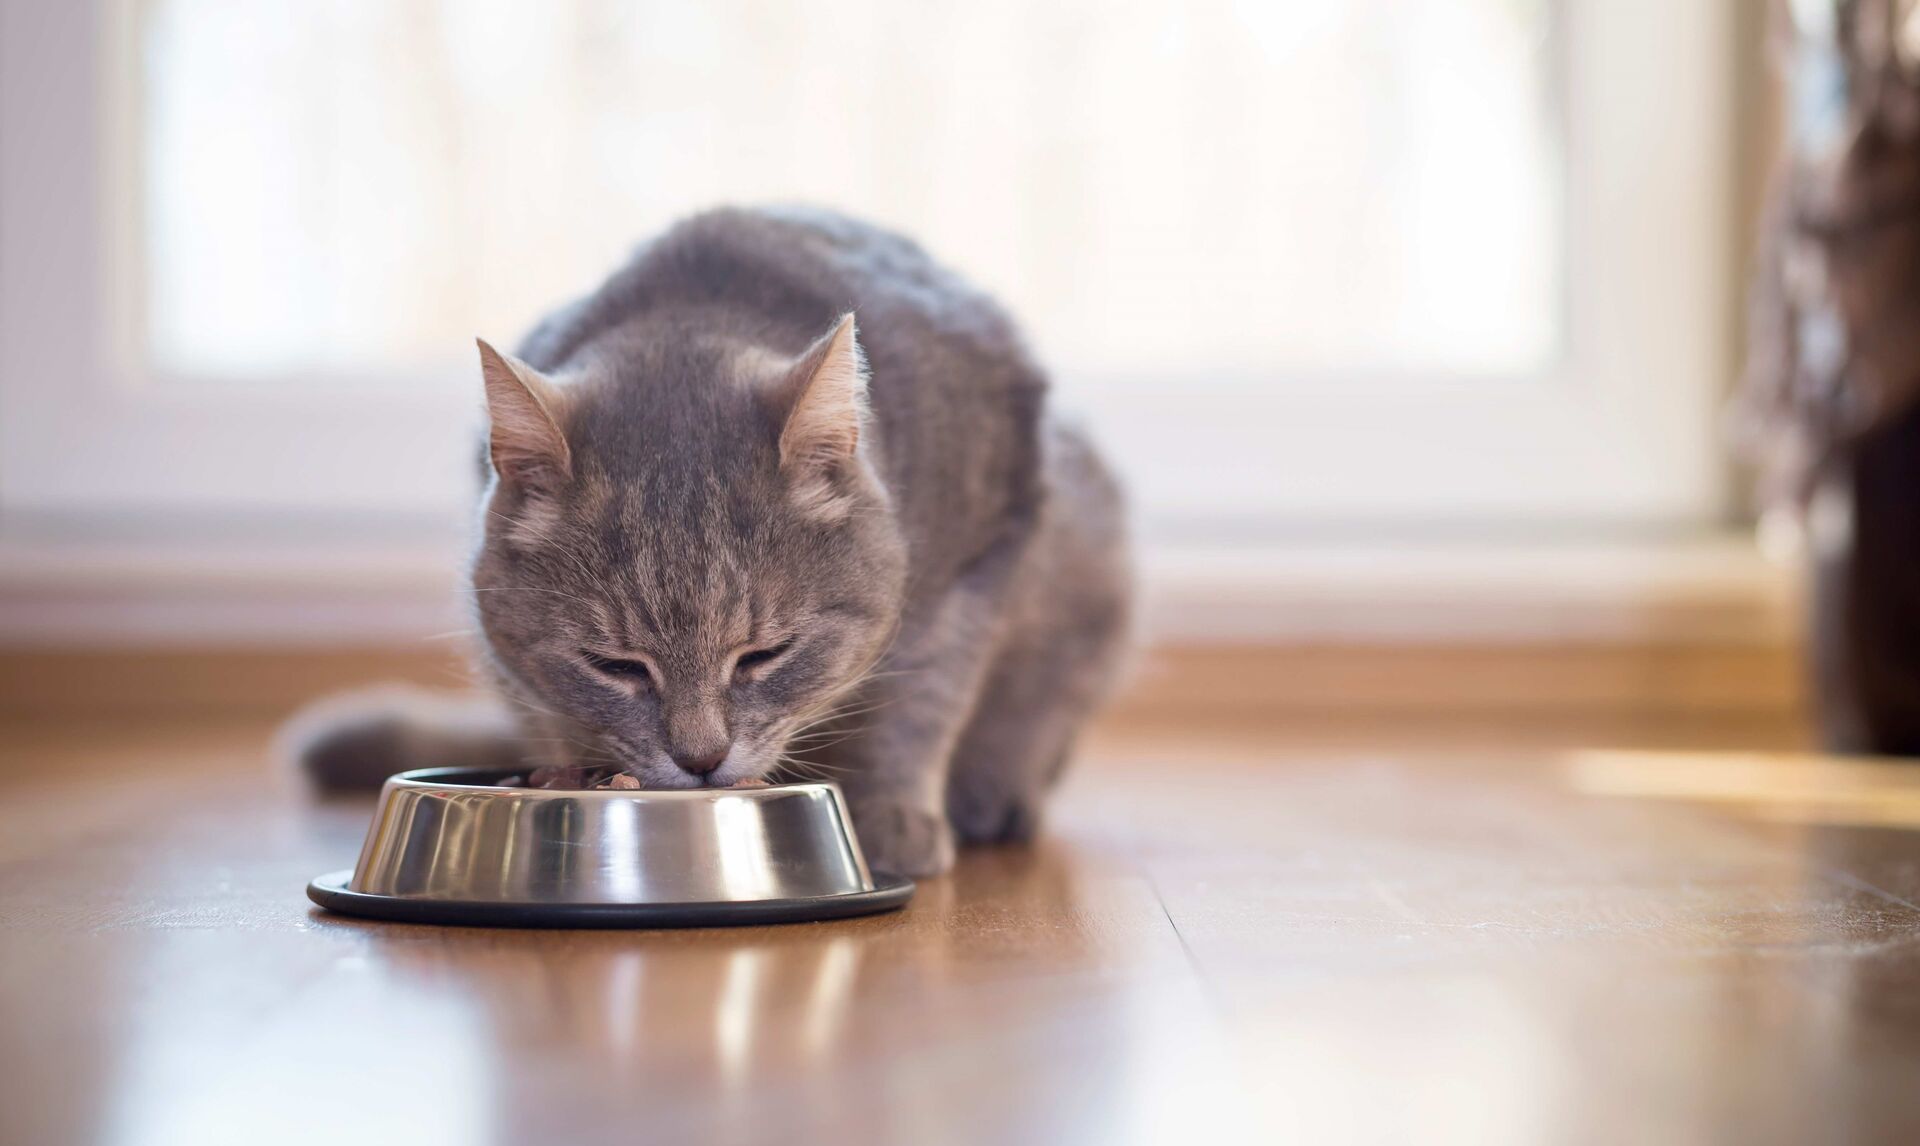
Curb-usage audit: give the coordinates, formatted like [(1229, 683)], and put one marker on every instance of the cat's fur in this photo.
[(786, 432)]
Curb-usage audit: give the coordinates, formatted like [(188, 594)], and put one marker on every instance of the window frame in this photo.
[(1619, 432)]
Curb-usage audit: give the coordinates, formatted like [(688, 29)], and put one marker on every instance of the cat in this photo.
[(782, 498)]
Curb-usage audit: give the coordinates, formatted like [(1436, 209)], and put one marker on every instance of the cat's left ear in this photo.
[(826, 401)]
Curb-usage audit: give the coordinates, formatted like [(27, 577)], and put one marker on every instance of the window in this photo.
[(1354, 262)]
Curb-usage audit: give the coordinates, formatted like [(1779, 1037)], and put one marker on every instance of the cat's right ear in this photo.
[(524, 437)]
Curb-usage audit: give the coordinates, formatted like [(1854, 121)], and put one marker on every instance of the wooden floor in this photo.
[(1442, 934)]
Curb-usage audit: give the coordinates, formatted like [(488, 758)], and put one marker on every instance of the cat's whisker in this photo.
[(849, 713), (525, 589), (810, 736), (807, 769), (813, 751), (546, 538), (816, 722), (522, 702), (816, 739), (457, 675)]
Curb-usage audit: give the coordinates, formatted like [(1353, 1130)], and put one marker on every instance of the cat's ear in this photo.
[(524, 437), (827, 400)]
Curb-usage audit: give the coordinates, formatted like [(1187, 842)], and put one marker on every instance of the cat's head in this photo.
[(687, 553)]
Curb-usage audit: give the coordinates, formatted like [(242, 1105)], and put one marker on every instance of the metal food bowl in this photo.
[(450, 845)]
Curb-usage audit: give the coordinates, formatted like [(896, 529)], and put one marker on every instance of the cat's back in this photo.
[(957, 400), (785, 275)]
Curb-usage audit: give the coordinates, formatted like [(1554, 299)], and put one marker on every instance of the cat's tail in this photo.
[(354, 741)]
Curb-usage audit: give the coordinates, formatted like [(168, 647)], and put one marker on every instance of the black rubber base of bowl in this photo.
[(330, 891)]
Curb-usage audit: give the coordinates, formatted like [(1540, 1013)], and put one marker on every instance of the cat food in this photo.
[(552, 778), (626, 783)]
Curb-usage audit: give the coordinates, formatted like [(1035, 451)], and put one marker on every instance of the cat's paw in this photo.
[(986, 813), (903, 840)]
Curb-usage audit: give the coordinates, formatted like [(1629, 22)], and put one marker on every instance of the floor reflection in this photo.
[(612, 1019), (736, 1032), (1762, 786), (1365, 949)]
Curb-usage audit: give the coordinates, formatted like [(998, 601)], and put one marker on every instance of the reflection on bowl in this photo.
[(449, 845)]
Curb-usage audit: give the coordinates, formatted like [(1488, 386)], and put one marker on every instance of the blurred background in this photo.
[(1414, 326)]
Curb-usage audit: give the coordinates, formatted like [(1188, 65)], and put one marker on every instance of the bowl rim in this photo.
[(437, 778), (331, 893)]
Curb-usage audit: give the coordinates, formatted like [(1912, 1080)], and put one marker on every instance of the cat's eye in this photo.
[(759, 658), (634, 671)]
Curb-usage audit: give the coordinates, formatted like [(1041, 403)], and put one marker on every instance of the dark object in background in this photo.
[(1866, 590), (1829, 402)]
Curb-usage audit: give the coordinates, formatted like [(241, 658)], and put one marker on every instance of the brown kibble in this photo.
[(549, 776), (623, 782), (750, 783)]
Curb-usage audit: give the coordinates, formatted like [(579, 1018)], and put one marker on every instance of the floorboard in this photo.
[(1335, 932)]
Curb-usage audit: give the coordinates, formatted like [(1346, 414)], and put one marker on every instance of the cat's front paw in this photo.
[(986, 812), (903, 840)]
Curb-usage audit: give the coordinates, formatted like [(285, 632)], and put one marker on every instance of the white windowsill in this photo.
[(1705, 589)]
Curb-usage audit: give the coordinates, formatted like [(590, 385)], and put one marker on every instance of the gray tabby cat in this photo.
[(730, 534)]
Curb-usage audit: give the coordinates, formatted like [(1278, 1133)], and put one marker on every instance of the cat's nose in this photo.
[(701, 763)]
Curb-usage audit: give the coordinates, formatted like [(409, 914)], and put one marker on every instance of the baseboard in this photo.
[(1174, 683), (1692, 590), (1233, 682)]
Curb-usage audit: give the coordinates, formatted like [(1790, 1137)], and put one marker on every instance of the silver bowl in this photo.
[(449, 845)]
